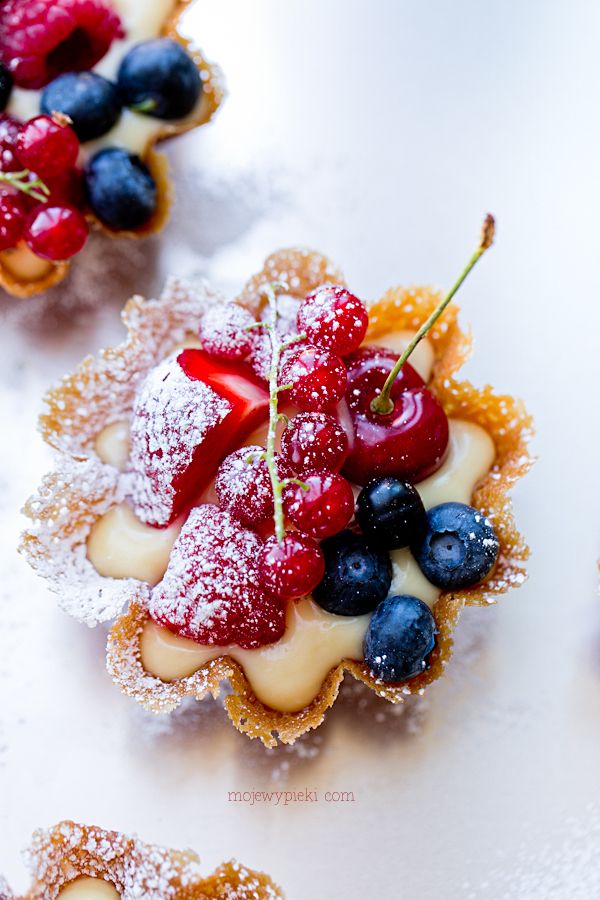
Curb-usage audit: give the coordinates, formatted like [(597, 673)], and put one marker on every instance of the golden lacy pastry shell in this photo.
[(81, 489), (45, 274), (69, 851)]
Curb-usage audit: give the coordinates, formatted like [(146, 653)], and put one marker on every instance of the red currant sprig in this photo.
[(290, 564)]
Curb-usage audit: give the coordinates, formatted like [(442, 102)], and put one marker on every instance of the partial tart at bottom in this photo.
[(83, 862), (131, 519)]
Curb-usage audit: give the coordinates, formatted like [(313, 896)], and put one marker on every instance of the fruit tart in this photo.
[(279, 490), (87, 90), (84, 862)]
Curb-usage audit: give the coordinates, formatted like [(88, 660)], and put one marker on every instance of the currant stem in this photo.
[(20, 180), (383, 403), (270, 292)]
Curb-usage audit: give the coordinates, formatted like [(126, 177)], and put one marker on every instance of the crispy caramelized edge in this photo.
[(67, 851), (503, 417), (212, 96)]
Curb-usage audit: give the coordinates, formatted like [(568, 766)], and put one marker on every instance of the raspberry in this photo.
[(211, 590), (40, 39)]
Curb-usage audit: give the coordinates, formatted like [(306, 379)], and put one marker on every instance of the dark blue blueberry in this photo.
[(357, 575), (460, 546), (158, 78), (120, 189), (6, 83), (90, 101), (400, 637), (390, 513)]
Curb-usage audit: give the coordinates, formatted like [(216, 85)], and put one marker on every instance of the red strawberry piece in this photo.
[(211, 590), (189, 413), (40, 39)]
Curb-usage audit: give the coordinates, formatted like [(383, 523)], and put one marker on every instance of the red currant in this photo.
[(333, 318), (317, 378), (243, 485), (13, 212), (47, 147), (314, 441), (323, 507), (293, 567), (56, 232), (225, 332)]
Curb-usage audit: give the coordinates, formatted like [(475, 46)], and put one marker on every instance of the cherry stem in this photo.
[(20, 180), (383, 403), (277, 345)]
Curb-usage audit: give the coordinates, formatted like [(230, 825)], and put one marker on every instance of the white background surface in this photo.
[(380, 133)]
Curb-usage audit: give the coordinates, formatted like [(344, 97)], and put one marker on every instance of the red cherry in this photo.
[(225, 333), (291, 568), (314, 441), (322, 508), (411, 441), (56, 232), (47, 147), (333, 318), (13, 212), (317, 378)]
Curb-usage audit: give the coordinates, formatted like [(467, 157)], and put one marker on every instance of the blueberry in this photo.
[(357, 576), (90, 101), (158, 78), (460, 546), (120, 189), (390, 513), (400, 637), (6, 83)]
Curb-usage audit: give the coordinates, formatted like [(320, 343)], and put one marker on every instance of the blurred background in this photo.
[(379, 133)]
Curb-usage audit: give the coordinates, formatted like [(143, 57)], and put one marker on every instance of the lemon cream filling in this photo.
[(88, 888)]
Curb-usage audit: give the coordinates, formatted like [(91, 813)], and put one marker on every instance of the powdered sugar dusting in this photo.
[(172, 415), (136, 869), (63, 511), (210, 590)]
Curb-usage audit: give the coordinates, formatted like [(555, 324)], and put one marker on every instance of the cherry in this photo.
[(411, 441), (291, 567), (314, 441), (333, 318), (47, 146), (224, 331), (322, 506), (56, 232), (317, 378), (13, 211)]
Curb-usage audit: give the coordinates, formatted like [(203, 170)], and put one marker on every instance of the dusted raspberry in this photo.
[(40, 39), (224, 331), (210, 592)]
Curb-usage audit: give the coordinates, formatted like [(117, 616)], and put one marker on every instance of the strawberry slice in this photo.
[(189, 414), (210, 591)]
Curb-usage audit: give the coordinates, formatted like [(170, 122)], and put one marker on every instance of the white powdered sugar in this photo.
[(69, 501), (172, 416)]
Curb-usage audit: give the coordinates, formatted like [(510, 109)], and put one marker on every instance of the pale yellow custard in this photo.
[(88, 888), (120, 546), (286, 675)]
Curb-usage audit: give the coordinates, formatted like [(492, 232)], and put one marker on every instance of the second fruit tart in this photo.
[(87, 90), (207, 476)]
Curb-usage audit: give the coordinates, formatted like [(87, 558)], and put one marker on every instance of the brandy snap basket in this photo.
[(81, 489)]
